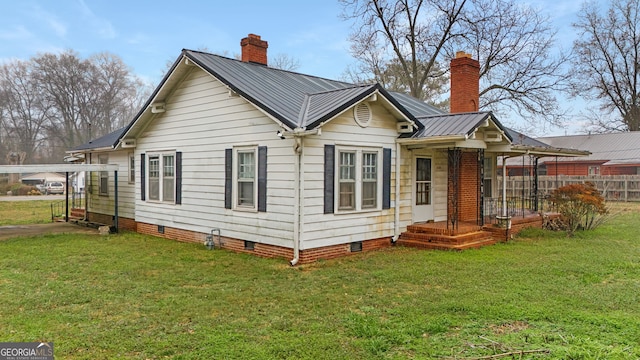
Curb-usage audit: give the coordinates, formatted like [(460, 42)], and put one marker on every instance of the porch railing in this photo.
[(77, 200), (517, 206), (58, 208)]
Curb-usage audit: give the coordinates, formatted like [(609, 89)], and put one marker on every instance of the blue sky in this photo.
[(148, 34)]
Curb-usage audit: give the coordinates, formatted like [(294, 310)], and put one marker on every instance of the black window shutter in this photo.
[(178, 177), (143, 180), (228, 177), (386, 178), (262, 178), (329, 180)]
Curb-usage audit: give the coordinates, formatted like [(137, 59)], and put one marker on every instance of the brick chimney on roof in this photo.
[(465, 83), (254, 50)]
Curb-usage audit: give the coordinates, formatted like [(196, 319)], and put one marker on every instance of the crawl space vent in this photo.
[(362, 114)]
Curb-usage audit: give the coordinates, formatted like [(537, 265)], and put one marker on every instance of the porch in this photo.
[(461, 235)]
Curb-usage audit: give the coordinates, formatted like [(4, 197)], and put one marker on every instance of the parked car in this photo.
[(54, 187), (41, 188)]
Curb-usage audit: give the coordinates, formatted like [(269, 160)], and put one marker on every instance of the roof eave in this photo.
[(539, 151)]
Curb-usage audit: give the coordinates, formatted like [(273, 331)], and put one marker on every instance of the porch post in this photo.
[(481, 187), (504, 185), (66, 197)]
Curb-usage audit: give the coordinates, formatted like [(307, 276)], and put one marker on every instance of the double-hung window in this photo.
[(162, 177), (132, 169), (246, 178), (103, 184), (358, 180)]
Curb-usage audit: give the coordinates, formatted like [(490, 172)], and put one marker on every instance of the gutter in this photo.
[(431, 140)]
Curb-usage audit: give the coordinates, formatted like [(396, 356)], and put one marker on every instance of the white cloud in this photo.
[(51, 20), (17, 33), (102, 26)]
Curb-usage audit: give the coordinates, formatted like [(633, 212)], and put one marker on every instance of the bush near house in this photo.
[(581, 206), (18, 189)]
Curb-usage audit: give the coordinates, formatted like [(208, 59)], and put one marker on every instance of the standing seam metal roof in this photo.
[(454, 124), (615, 148), (293, 98)]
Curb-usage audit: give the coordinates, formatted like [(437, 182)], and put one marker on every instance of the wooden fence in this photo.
[(612, 187)]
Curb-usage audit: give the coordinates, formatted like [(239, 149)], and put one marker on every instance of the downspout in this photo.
[(396, 214), (297, 148)]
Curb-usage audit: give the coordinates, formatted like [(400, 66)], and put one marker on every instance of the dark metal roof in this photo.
[(293, 98), (522, 139), (459, 124), (417, 107), (108, 141)]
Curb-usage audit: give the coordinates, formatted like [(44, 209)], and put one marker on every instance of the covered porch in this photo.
[(478, 212)]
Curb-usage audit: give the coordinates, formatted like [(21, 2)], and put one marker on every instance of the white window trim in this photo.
[(358, 150), (160, 155), (103, 174), (491, 174), (235, 187), (131, 158)]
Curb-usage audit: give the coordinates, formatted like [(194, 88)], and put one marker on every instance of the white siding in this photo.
[(201, 121), (321, 229), (106, 204)]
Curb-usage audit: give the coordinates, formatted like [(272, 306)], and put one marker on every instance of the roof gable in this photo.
[(459, 124)]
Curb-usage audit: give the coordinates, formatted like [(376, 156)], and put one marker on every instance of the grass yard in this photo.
[(139, 297), (25, 212)]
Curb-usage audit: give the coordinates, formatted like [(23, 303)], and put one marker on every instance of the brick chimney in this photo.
[(465, 83), (254, 50)]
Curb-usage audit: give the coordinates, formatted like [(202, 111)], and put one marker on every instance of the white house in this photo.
[(291, 165)]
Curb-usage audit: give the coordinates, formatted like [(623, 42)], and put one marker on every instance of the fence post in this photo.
[(626, 189)]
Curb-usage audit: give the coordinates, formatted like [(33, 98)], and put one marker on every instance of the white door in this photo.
[(422, 190)]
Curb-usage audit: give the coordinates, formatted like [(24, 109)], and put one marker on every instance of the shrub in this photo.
[(580, 205), (22, 189)]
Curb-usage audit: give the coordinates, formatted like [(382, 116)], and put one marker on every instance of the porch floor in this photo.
[(465, 235), (445, 228)]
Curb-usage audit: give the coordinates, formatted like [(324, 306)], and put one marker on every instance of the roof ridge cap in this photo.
[(341, 89)]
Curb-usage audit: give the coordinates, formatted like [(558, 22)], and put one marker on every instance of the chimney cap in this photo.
[(462, 54)]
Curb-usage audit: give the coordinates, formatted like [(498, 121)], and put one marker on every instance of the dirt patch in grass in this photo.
[(14, 231), (507, 328)]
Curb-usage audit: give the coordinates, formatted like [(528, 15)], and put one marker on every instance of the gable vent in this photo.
[(362, 114)]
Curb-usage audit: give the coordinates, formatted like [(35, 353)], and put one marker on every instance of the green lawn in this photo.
[(133, 296), (26, 212)]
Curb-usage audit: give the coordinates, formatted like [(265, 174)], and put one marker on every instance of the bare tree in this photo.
[(392, 77), (88, 98), (607, 63), (284, 62), (24, 112), (512, 42), (54, 102)]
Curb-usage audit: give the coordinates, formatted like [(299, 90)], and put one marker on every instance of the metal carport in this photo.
[(68, 168)]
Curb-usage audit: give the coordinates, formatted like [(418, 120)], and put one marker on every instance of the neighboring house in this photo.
[(292, 165), (42, 178), (611, 154)]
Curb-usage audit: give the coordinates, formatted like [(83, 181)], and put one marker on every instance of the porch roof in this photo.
[(525, 145)]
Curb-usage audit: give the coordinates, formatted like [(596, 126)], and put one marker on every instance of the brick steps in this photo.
[(426, 240)]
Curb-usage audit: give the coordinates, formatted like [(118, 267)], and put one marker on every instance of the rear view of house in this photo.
[(284, 164)]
